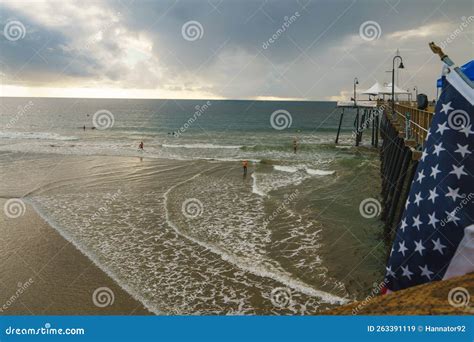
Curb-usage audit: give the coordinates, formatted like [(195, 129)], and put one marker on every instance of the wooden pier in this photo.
[(403, 133)]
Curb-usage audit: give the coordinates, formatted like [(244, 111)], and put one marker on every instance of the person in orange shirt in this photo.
[(244, 165)]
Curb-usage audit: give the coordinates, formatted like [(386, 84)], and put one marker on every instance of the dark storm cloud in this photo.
[(315, 56)]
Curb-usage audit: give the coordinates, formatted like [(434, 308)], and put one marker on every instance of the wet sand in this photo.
[(44, 274)]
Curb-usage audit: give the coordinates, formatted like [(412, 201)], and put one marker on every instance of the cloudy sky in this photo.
[(238, 49)]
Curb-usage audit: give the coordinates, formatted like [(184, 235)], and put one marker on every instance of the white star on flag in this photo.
[(438, 246), (453, 193), (419, 247), (433, 195), (402, 248), (425, 271), (438, 148), (442, 128), (434, 171), (446, 108), (458, 171), (463, 150), (406, 272)]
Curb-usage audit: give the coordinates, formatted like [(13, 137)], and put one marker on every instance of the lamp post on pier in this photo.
[(400, 66)]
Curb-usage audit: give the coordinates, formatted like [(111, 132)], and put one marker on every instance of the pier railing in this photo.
[(414, 123)]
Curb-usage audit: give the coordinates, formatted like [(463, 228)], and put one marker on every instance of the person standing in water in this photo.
[(140, 146), (295, 145), (244, 166)]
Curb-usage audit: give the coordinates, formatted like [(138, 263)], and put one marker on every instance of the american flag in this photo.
[(435, 238)]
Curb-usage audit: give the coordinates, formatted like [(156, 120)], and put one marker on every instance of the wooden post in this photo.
[(339, 128), (357, 127)]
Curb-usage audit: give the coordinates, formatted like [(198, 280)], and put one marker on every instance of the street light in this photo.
[(356, 82), (400, 66)]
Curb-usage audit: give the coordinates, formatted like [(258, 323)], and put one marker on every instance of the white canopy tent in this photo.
[(396, 90), (378, 89)]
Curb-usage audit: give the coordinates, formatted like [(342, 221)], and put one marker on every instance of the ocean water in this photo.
[(177, 224)]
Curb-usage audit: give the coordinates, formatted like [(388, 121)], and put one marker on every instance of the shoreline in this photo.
[(41, 253)]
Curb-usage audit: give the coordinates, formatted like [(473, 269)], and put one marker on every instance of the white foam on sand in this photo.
[(289, 169), (255, 188), (202, 146), (92, 258), (36, 136), (319, 172), (312, 172), (261, 270)]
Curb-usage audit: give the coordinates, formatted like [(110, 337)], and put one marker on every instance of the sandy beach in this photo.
[(182, 236), (44, 274)]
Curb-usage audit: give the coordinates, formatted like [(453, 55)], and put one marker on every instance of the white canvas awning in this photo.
[(396, 90), (376, 89)]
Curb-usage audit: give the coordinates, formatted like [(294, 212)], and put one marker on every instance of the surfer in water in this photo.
[(295, 145), (140, 146), (244, 166)]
